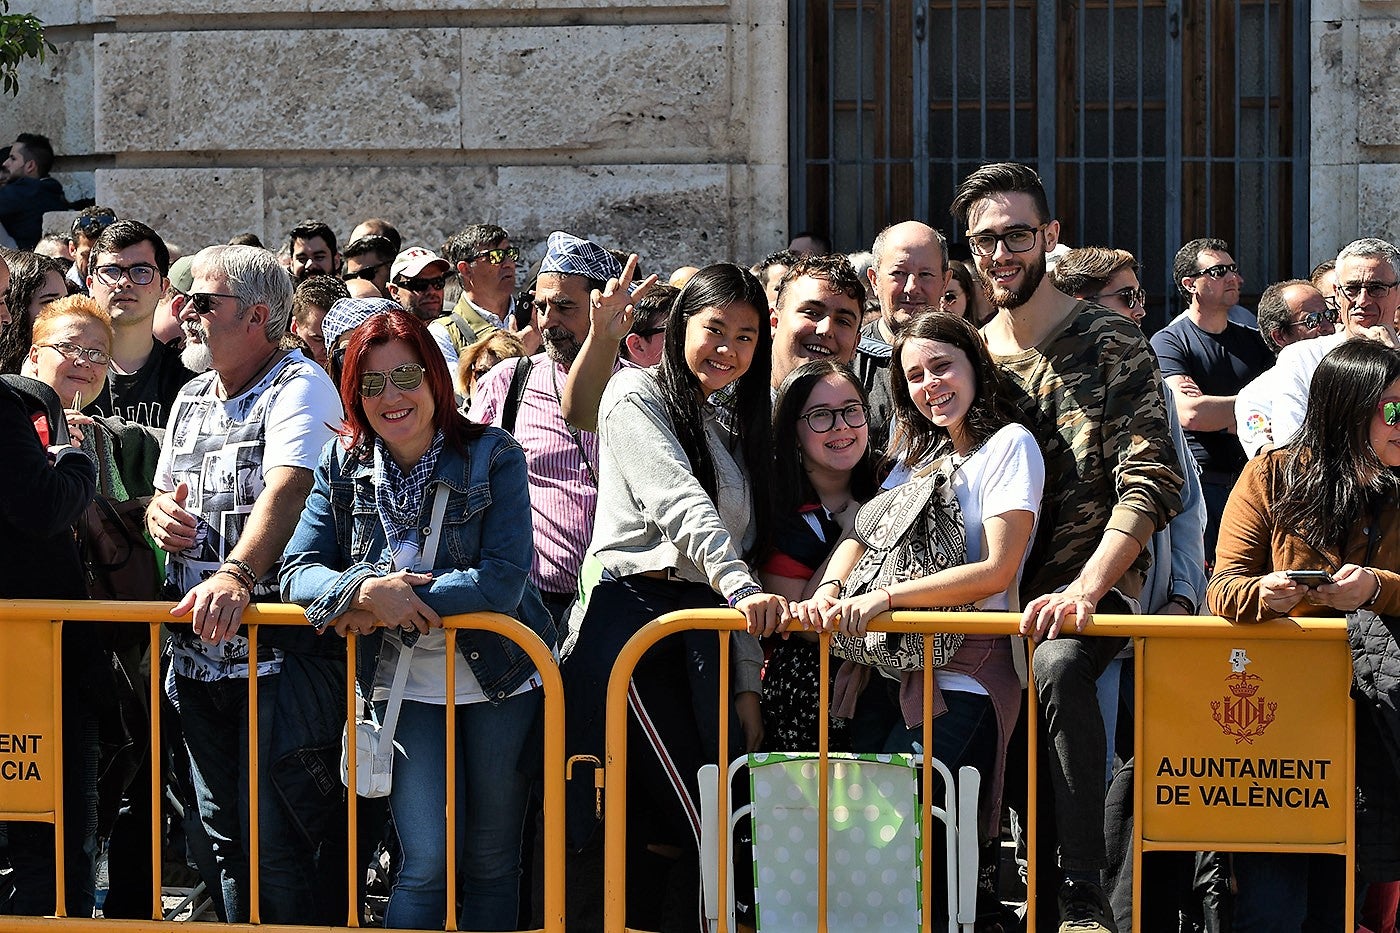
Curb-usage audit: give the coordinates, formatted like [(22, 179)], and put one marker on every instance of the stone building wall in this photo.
[(654, 124), (1355, 133), (662, 123)]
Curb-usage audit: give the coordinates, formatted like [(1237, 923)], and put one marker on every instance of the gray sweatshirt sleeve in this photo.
[(662, 484)]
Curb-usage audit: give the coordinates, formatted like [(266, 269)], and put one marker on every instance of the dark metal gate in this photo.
[(1151, 121)]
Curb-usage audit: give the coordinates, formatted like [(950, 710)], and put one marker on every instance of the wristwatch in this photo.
[(1184, 602)]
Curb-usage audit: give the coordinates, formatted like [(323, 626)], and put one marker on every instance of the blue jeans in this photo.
[(491, 793), (301, 715)]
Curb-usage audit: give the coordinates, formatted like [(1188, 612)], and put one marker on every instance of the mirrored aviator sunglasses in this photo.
[(1389, 412), (407, 377)]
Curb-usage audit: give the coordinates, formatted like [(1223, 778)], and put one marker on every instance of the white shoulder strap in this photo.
[(426, 556)]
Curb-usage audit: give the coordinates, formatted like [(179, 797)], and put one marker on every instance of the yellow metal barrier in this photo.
[(1185, 665), (1219, 709), (31, 708)]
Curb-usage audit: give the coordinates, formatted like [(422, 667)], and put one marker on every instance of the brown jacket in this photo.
[(1252, 545)]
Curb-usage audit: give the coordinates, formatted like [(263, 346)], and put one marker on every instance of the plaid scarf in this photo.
[(398, 496)]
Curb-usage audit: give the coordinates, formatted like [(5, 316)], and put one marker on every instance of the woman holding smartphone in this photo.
[(1326, 501)]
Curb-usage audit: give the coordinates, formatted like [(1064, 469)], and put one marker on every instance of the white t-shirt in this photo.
[(222, 449), (1295, 367), (1006, 474), (1254, 411)]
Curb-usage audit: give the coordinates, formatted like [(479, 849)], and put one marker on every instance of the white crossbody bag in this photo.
[(374, 741)]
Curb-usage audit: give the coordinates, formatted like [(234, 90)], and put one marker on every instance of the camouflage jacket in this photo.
[(1089, 395)]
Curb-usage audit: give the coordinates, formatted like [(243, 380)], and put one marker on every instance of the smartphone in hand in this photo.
[(1309, 578)]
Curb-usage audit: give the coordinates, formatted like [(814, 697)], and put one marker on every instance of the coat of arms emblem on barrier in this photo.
[(1244, 713)]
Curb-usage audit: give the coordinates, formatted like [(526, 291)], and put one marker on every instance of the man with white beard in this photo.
[(235, 469)]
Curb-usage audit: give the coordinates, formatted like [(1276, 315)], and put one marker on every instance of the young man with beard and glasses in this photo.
[(417, 281), (127, 277), (1206, 359), (234, 472), (909, 273), (1086, 383), (311, 244), (1289, 312), (1368, 300)]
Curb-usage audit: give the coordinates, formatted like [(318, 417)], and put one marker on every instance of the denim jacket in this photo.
[(482, 560)]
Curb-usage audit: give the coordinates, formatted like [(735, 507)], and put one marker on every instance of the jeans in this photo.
[(301, 716), (491, 794), (1066, 674)]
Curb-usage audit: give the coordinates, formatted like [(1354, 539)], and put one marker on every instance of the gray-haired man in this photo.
[(236, 466)]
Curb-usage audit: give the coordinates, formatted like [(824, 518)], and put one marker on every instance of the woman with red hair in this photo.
[(416, 514)]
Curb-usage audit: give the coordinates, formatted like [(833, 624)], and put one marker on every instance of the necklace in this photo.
[(262, 370)]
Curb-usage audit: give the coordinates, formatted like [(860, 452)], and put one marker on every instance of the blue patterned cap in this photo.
[(349, 313), (569, 255)]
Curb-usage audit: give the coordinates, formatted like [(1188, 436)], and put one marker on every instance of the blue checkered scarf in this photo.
[(399, 496)]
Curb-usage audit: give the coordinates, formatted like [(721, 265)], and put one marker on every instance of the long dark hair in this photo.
[(383, 328), (793, 489), (719, 286), (1331, 474), (915, 436)]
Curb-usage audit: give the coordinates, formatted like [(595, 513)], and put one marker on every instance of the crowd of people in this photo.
[(363, 430)]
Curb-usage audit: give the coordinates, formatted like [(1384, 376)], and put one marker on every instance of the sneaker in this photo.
[(1084, 909)]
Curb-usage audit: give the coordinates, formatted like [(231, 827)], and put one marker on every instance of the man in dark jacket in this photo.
[(27, 191)]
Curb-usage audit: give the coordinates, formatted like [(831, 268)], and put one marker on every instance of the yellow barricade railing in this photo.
[(1330, 671), (1254, 711), (25, 623)]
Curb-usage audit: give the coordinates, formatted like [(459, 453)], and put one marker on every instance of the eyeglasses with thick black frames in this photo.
[(823, 420), (1019, 240)]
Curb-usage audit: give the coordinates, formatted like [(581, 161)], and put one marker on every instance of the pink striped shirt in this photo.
[(563, 495)]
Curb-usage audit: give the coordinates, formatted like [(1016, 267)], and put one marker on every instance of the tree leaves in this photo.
[(21, 38)]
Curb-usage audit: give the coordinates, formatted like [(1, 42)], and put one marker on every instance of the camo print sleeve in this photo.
[(1090, 396)]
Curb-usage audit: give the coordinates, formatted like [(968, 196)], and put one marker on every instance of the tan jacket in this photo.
[(1252, 545)]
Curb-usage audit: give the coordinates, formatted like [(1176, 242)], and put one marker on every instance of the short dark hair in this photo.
[(91, 221), (471, 239), (833, 268), (653, 307), (322, 291), (38, 148), (999, 178), (378, 226), (310, 230), (1274, 313), (782, 257), (123, 233), (246, 239), (380, 246), (1086, 271), (1185, 262)]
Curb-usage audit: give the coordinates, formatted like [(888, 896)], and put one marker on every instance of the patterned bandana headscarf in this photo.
[(569, 255), (399, 497)]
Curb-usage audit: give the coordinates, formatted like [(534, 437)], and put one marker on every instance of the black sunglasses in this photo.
[(408, 377), (367, 272), (203, 302), (422, 285)]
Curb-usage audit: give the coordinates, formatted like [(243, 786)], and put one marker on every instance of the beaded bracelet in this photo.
[(743, 594), (237, 576), (245, 568)]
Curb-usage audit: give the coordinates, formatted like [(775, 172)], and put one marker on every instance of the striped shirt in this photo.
[(563, 492)]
